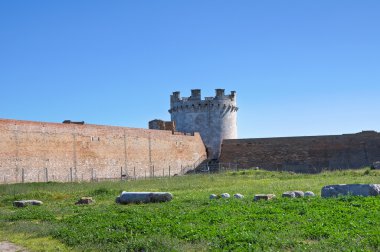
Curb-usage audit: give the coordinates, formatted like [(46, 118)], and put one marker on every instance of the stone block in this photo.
[(225, 195), (288, 195), (24, 203), (238, 196), (350, 189), (293, 194), (143, 197), (376, 165), (213, 196), (264, 197), (299, 194), (309, 194), (6, 246), (85, 201)]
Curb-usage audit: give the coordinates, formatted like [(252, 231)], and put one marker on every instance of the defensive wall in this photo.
[(39, 151), (309, 154)]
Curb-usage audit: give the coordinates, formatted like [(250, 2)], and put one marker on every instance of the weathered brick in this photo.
[(39, 151), (309, 154)]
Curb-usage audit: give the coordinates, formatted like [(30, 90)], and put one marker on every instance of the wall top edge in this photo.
[(6, 122), (366, 133)]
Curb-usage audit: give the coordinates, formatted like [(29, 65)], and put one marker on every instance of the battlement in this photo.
[(195, 102), (196, 96), (213, 117)]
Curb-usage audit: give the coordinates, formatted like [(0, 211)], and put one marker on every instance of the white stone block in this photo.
[(350, 189), (143, 197)]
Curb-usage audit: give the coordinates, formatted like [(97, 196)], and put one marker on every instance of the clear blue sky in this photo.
[(299, 67)]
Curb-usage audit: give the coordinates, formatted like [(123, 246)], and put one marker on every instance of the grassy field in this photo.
[(192, 222)]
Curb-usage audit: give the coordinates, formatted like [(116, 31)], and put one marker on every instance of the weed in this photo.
[(100, 191), (192, 222)]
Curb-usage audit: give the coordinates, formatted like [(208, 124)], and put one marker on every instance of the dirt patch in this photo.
[(10, 247)]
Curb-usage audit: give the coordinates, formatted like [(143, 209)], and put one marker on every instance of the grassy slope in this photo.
[(191, 221)]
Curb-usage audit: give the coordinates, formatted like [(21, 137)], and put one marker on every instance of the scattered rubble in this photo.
[(143, 197), (24, 203), (85, 201), (6, 246), (225, 195), (309, 194), (350, 189), (293, 194), (238, 196), (299, 194), (288, 195), (264, 197), (376, 165), (213, 196)]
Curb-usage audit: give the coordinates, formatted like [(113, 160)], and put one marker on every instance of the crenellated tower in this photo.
[(214, 117)]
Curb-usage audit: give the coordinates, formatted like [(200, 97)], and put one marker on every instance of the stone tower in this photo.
[(214, 117)]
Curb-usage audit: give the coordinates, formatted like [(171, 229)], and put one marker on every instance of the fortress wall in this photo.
[(304, 154), (38, 151)]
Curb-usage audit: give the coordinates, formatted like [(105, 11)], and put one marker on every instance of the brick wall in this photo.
[(304, 154), (162, 125), (38, 151)]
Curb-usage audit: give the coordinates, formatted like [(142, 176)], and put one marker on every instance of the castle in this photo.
[(214, 117), (200, 131)]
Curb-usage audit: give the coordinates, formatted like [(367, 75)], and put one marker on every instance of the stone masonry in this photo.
[(162, 125), (214, 117)]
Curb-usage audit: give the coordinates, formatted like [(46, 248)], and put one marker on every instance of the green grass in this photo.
[(192, 222)]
